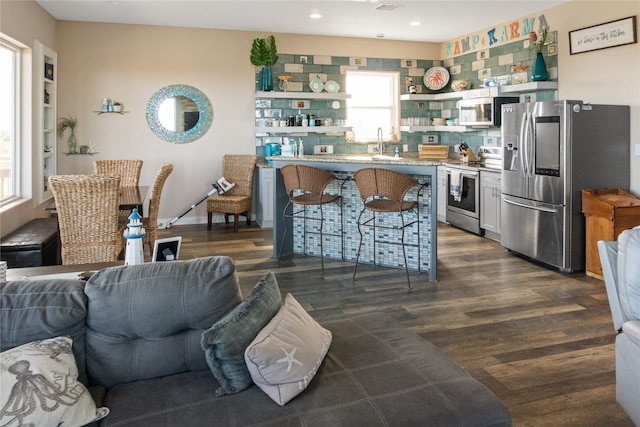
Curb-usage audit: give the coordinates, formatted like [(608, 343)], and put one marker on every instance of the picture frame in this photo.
[(603, 36), (167, 249)]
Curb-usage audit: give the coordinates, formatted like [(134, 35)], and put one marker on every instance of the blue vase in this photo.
[(539, 73), (266, 79)]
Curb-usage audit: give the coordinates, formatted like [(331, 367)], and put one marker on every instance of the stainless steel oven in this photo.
[(464, 211)]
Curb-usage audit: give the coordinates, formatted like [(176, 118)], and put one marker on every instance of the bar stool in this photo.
[(312, 182), (383, 191)]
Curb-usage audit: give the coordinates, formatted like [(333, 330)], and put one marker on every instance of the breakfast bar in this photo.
[(420, 258)]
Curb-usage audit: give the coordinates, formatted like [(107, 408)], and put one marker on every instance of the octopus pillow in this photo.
[(39, 386)]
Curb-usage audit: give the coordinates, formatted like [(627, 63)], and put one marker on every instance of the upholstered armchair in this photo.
[(621, 268)]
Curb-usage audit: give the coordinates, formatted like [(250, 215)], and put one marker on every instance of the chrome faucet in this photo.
[(380, 143)]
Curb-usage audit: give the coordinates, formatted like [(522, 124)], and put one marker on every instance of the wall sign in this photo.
[(603, 36)]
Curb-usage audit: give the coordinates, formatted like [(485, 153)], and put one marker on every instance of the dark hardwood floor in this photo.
[(541, 340)]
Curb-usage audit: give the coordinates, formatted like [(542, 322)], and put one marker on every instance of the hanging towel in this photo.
[(455, 186)]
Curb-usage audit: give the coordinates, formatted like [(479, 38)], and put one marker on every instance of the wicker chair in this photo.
[(383, 191), (127, 170), (150, 222), (312, 182), (237, 169), (129, 173), (87, 207)]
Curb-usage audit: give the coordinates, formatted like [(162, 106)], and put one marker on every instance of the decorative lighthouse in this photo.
[(134, 233)]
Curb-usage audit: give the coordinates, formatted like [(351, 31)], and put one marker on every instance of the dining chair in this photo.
[(87, 208), (150, 222), (237, 169), (383, 191), (305, 187), (127, 170), (129, 173)]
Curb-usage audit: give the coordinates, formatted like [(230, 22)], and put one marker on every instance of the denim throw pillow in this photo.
[(225, 342)]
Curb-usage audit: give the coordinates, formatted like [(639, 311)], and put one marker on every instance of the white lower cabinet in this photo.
[(442, 194), (264, 193), (490, 195)]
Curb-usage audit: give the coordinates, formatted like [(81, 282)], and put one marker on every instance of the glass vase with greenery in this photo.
[(69, 123)]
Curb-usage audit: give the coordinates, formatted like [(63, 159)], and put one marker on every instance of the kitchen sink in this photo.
[(374, 157), (384, 157)]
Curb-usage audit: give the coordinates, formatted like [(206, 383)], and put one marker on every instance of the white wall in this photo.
[(608, 76)]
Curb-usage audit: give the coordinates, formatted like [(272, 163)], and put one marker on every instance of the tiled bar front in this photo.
[(388, 255)]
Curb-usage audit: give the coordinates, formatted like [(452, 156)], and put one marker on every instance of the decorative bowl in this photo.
[(458, 85)]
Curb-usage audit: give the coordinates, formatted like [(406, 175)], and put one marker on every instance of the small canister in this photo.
[(312, 120), (305, 119), (299, 120), (291, 121)]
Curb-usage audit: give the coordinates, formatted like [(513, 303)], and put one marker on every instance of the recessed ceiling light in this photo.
[(415, 23), (315, 14)]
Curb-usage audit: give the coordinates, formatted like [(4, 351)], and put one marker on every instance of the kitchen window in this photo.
[(374, 104), (9, 120)]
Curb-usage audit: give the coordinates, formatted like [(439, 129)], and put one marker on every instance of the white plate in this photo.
[(331, 86), (436, 78), (316, 85)]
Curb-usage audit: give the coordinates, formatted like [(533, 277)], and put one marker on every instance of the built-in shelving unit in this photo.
[(45, 98)]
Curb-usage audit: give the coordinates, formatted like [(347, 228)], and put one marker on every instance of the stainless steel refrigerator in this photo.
[(551, 151)]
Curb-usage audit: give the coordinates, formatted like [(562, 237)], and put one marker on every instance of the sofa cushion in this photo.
[(377, 372), (145, 321), (225, 342), (629, 272), (286, 354), (32, 310), (39, 387)]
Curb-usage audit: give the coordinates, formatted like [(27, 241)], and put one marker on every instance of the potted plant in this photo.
[(539, 72), (69, 123), (84, 149), (117, 107), (264, 54)]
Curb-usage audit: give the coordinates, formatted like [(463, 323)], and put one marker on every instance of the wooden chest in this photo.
[(608, 213)]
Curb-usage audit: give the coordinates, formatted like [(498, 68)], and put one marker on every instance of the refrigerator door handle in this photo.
[(536, 208), (530, 147), (523, 144)]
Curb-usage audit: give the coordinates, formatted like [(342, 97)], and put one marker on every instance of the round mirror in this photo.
[(179, 114)]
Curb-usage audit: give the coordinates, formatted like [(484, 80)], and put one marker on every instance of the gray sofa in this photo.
[(137, 331), (622, 279)]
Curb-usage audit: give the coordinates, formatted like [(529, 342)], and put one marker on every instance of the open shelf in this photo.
[(302, 129), (487, 91), (301, 95)]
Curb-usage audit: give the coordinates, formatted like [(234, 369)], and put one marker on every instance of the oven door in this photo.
[(469, 203)]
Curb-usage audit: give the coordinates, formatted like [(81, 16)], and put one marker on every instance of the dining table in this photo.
[(130, 197)]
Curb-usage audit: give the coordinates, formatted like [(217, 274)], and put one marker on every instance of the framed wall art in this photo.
[(603, 36)]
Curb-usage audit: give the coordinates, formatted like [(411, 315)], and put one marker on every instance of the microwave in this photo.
[(483, 112)]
